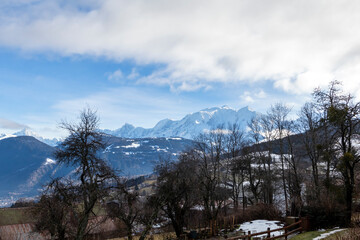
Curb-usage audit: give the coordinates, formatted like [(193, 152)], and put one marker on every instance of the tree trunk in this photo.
[(82, 228)]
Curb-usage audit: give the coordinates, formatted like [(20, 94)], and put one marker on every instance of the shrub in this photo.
[(325, 216)]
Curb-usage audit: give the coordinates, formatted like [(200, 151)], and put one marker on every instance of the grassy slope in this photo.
[(309, 235), (9, 216), (348, 234)]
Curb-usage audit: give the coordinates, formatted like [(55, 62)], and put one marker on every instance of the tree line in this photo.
[(306, 165)]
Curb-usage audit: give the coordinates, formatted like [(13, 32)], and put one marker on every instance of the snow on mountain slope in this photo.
[(28, 132), (27, 164), (23, 166), (4, 136), (191, 125), (138, 156)]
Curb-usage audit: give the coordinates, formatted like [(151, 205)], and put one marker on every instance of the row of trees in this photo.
[(226, 168), (308, 165), (331, 135)]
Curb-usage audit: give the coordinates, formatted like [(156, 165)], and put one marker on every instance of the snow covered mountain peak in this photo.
[(215, 109), (189, 126), (245, 109), (23, 132), (31, 133), (27, 132), (3, 136)]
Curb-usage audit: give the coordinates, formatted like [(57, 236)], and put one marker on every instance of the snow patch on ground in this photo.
[(161, 150), (175, 138), (49, 161), (261, 226), (107, 149), (324, 235), (132, 145), (129, 153)]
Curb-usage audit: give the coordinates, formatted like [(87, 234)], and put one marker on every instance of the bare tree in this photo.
[(343, 115), (149, 215), (309, 130), (295, 177), (81, 150), (176, 188), (54, 211), (261, 128), (209, 152), (254, 173), (125, 205), (235, 142), (278, 115)]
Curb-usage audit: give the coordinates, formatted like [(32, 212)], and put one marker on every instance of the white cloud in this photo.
[(12, 125), (134, 74), (296, 44), (252, 96), (116, 76), (141, 107), (246, 96), (261, 94)]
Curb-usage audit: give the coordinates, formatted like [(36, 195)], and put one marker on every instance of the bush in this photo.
[(263, 211), (325, 217), (23, 203)]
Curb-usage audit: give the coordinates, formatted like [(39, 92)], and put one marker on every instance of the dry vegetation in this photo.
[(162, 236)]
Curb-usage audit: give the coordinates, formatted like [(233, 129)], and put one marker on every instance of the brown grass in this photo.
[(348, 234), (162, 236), (10, 216)]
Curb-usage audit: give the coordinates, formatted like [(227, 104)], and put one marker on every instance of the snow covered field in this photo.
[(261, 226), (324, 235)]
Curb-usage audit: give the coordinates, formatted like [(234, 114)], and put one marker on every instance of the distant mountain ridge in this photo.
[(28, 132), (28, 164), (190, 126)]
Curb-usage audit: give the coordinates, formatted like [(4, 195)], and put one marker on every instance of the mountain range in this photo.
[(28, 132), (189, 126), (27, 159), (28, 164)]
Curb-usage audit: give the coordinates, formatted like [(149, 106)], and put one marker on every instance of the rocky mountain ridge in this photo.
[(189, 126)]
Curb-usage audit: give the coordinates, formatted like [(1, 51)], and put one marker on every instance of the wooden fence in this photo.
[(288, 230)]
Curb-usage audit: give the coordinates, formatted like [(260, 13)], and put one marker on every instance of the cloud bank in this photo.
[(12, 125), (117, 106), (297, 45)]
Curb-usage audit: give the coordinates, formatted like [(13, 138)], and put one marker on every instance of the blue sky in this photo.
[(143, 61)]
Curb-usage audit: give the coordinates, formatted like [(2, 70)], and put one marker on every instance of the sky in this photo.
[(140, 61)]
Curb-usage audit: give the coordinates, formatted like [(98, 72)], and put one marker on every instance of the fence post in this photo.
[(285, 233), (268, 232), (249, 233)]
